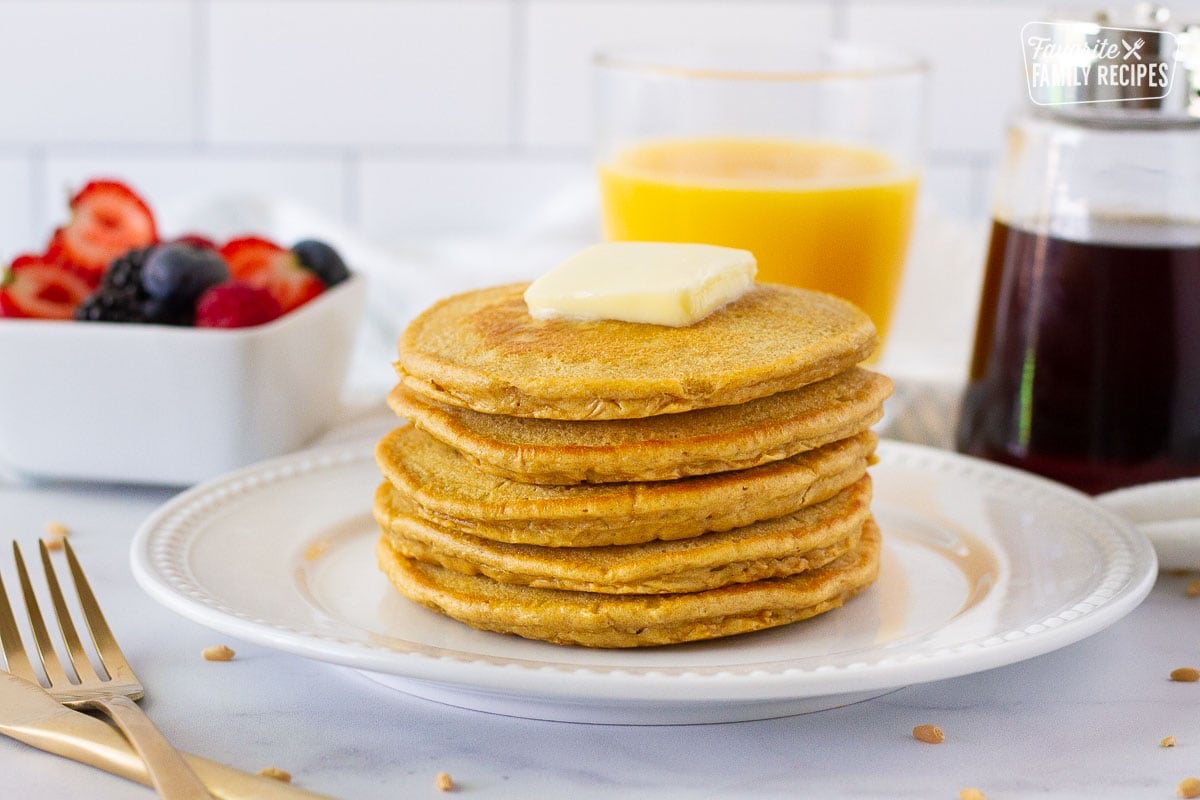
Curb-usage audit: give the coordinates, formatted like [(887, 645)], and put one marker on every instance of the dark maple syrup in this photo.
[(1086, 366)]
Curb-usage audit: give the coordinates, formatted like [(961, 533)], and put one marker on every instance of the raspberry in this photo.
[(236, 305)]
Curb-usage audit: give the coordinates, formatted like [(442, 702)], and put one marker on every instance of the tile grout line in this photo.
[(518, 79), (841, 19), (352, 188), (38, 191), (201, 64)]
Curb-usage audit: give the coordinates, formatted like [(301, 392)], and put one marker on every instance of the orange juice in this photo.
[(817, 215)]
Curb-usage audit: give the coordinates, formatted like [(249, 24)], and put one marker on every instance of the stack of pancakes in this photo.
[(617, 484)]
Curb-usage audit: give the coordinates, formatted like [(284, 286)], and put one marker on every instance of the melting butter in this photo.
[(656, 282)]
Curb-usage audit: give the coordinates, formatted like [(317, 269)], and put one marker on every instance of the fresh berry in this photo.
[(198, 240), (179, 273), (169, 312), (125, 272), (54, 247), (322, 260), (107, 220), (38, 288), (266, 265), (236, 305), (55, 254), (120, 296)]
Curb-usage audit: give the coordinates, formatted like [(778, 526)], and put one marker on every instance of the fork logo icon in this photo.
[(1132, 50)]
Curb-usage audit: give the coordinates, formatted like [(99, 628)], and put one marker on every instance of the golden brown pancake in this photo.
[(596, 620), (436, 483), (807, 539), (482, 350), (655, 448)]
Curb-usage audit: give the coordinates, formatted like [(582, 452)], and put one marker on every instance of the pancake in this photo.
[(433, 481), (594, 620), (483, 351), (655, 448), (807, 539)]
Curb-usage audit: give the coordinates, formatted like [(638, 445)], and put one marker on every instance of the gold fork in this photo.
[(113, 693)]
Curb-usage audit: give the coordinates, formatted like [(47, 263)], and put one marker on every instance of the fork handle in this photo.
[(170, 774)]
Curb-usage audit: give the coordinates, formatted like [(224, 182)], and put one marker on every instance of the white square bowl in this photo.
[(153, 404)]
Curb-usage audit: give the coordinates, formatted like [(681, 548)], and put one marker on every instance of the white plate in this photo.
[(982, 566)]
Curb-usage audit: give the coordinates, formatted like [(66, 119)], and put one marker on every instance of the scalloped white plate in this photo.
[(982, 566)]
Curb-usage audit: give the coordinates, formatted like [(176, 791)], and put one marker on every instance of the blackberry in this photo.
[(111, 305), (120, 296), (125, 272)]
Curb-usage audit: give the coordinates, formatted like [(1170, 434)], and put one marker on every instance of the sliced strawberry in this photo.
[(198, 240), (265, 265), (55, 255), (108, 219), (54, 247), (37, 288)]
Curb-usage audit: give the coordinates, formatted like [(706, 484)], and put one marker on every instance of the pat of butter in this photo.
[(656, 282)]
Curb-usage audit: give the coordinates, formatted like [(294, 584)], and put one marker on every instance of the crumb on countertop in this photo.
[(1188, 787), (930, 734), (444, 782), (217, 652), (276, 774), (1185, 674), (1168, 741), (56, 534), (971, 793)]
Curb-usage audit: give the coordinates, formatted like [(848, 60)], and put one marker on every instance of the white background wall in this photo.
[(412, 118)]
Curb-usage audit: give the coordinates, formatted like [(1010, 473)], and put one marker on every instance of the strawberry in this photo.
[(37, 287), (54, 247), (108, 219), (197, 240), (265, 265), (54, 255), (236, 305)]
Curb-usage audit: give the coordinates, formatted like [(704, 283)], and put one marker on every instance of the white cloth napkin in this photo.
[(1168, 513)]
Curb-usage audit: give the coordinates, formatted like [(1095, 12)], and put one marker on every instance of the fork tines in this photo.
[(107, 650)]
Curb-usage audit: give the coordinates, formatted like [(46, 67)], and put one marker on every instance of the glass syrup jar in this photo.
[(1086, 363)]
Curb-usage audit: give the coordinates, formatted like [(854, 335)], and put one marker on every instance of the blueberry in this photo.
[(321, 259), (179, 273), (169, 311)]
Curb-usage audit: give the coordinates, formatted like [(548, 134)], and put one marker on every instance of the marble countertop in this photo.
[(1083, 722)]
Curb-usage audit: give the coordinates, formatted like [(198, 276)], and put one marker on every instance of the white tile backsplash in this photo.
[(185, 180), (561, 37), (413, 118), (950, 190), (407, 198), (16, 225), (97, 71), (974, 52), (359, 72)]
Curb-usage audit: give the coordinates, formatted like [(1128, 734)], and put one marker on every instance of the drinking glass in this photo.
[(809, 158)]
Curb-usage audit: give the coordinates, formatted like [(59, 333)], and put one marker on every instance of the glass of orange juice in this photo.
[(809, 158)]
